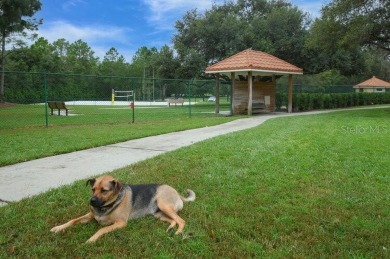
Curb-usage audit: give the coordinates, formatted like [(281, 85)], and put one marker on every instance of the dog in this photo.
[(113, 204)]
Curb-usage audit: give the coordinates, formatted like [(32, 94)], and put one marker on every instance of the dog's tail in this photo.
[(190, 196)]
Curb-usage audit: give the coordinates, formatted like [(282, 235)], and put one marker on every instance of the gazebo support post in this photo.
[(250, 90), (290, 93), (274, 91), (232, 87), (217, 93)]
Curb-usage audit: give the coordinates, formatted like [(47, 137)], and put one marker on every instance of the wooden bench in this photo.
[(258, 106), (176, 101), (59, 106)]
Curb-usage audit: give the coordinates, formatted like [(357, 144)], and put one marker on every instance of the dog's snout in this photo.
[(96, 202)]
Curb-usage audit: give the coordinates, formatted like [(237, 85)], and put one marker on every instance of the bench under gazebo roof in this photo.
[(252, 63)]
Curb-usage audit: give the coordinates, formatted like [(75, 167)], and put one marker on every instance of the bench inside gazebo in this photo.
[(253, 75)]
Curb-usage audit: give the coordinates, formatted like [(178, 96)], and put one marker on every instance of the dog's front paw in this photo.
[(170, 230), (57, 229)]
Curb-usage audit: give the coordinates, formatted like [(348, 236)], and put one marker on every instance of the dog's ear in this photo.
[(116, 185), (91, 182)]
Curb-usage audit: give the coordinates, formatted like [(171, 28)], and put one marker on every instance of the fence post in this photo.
[(133, 106), (46, 96), (233, 75), (189, 97), (112, 96)]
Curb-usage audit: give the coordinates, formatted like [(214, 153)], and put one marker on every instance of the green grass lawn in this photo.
[(24, 136), (313, 186)]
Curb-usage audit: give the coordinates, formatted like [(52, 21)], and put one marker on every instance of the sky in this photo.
[(126, 25)]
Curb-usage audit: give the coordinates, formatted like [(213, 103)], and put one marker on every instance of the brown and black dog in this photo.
[(113, 204)]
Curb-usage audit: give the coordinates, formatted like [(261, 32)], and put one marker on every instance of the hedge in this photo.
[(318, 101)]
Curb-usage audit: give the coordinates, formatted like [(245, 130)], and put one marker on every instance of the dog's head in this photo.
[(105, 190)]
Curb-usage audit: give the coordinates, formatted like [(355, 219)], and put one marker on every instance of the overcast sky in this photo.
[(125, 25)]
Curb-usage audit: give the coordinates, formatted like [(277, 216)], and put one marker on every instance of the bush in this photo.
[(318, 101), (280, 100)]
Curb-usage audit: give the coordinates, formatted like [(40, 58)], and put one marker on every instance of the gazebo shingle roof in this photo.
[(252, 60), (372, 83)]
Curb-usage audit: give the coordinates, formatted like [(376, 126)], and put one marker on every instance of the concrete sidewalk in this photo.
[(33, 177)]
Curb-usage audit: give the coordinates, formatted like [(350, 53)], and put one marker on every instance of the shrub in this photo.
[(316, 101)]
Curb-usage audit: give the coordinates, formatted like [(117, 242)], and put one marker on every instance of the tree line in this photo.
[(348, 42)]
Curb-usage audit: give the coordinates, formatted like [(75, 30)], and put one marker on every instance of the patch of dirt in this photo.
[(5, 104)]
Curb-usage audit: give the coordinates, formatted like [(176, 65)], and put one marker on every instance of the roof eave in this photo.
[(260, 71), (370, 86)]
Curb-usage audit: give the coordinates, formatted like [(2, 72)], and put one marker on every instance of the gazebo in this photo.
[(372, 85), (253, 75)]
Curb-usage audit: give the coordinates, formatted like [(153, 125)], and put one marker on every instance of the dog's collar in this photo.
[(107, 209)]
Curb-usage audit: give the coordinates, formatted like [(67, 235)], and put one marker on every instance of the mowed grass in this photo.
[(25, 137), (313, 186)]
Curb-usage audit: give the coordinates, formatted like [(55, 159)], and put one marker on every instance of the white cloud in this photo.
[(162, 11), (160, 7), (99, 37), (72, 3), (62, 29)]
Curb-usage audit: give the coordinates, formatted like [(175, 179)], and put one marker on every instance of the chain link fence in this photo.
[(97, 99), (94, 99), (304, 88)]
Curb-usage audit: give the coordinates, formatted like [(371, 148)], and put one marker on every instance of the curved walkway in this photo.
[(33, 177)]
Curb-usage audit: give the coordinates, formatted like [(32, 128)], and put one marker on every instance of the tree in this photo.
[(60, 51), (113, 64), (142, 62), (114, 67), (377, 63), (166, 63), (360, 22), (214, 35), (112, 55), (284, 31), (42, 57), (191, 66), (323, 42), (81, 58), (275, 27), (345, 30), (15, 17), (143, 66)]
